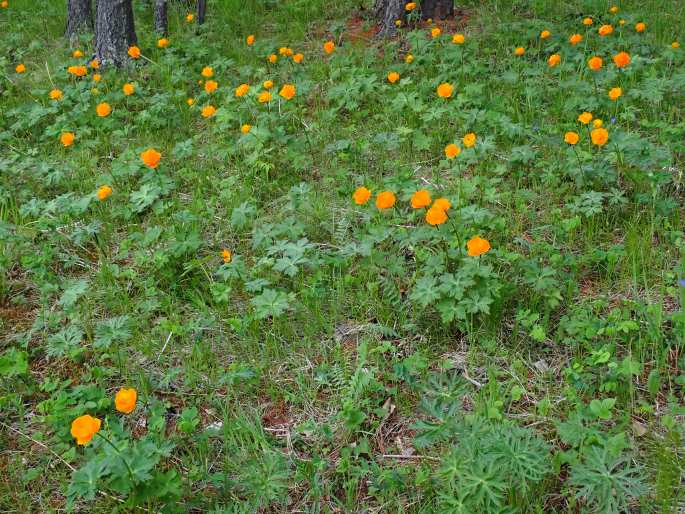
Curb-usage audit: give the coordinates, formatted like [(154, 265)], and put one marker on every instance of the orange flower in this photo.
[(245, 128), (409, 58), (226, 255), (210, 86), (162, 43), (613, 9), (553, 60), (571, 138), (287, 91), (435, 32), (575, 39), (442, 203), (283, 50), (328, 47), (95, 64), (134, 52), (272, 58), (361, 195), (640, 27), (445, 90), (410, 6), (250, 40), (207, 72), (675, 44), (103, 192), (208, 111), (67, 138), (125, 400), (55, 94), (469, 140), (452, 151), (4, 4), (436, 216), (597, 123), (264, 97), (595, 63), (77, 54), (615, 93), (420, 199), (520, 51), (298, 58), (190, 17), (599, 136), (103, 109), (190, 102), (458, 39), (84, 428), (393, 77), (20, 68), (587, 22), (477, 246), (268, 84), (242, 90), (585, 118), (128, 89), (385, 200), (78, 71), (622, 59), (97, 77), (545, 34), (605, 30), (151, 158)]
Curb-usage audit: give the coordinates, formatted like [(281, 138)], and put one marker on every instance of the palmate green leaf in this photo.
[(144, 197), (85, 480), (425, 291), (112, 330), (450, 310), (13, 362), (270, 303), (64, 342)]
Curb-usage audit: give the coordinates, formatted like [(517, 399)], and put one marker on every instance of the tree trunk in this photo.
[(79, 17), (437, 9), (161, 20), (201, 11), (387, 12), (114, 31)]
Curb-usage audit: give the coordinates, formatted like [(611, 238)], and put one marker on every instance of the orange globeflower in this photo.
[(103, 109), (361, 195), (585, 118), (477, 246), (84, 428), (283, 50), (452, 151), (245, 129), (4, 4), (134, 52), (410, 6), (250, 40), (272, 58), (409, 58), (640, 27), (208, 111), (613, 9), (571, 138), (393, 77), (190, 17), (545, 34), (622, 59), (287, 91), (420, 199), (20, 68), (469, 140), (77, 54), (207, 72), (385, 200), (162, 43), (445, 90), (435, 32), (103, 192), (605, 30), (597, 123), (97, 77), (595, 63), (442, 203), (95, 64), (190, 102), (458, 39), (226, 255), (575, 39), (599, 136), (264, 97), (78, 71), (125, 400), (67, 138), (128, 89), (675, 44), (436, 216), (151, 158), (242, 90), (268, 84), (328, 47), (210, 86), (520, 51), (298, 58), (587, 22), (55, 94), (615, 93), (553, 60)]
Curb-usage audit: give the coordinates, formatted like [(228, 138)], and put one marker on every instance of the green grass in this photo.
[(319, 370)]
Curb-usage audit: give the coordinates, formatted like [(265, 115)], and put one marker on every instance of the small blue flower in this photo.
[(613, 120), (681, 282)]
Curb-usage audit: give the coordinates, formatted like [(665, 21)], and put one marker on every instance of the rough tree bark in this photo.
[(114, 31), (161, 19), (79, 17), (201, 11), (437, 9), (387, 12)]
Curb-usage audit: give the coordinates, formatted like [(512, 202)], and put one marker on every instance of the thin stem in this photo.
[(128, 468)]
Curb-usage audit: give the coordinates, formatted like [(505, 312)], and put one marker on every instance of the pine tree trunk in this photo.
[(201, 11), (437, 9), (387, 12), (114, 31), (79, 17), (161, 20)]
